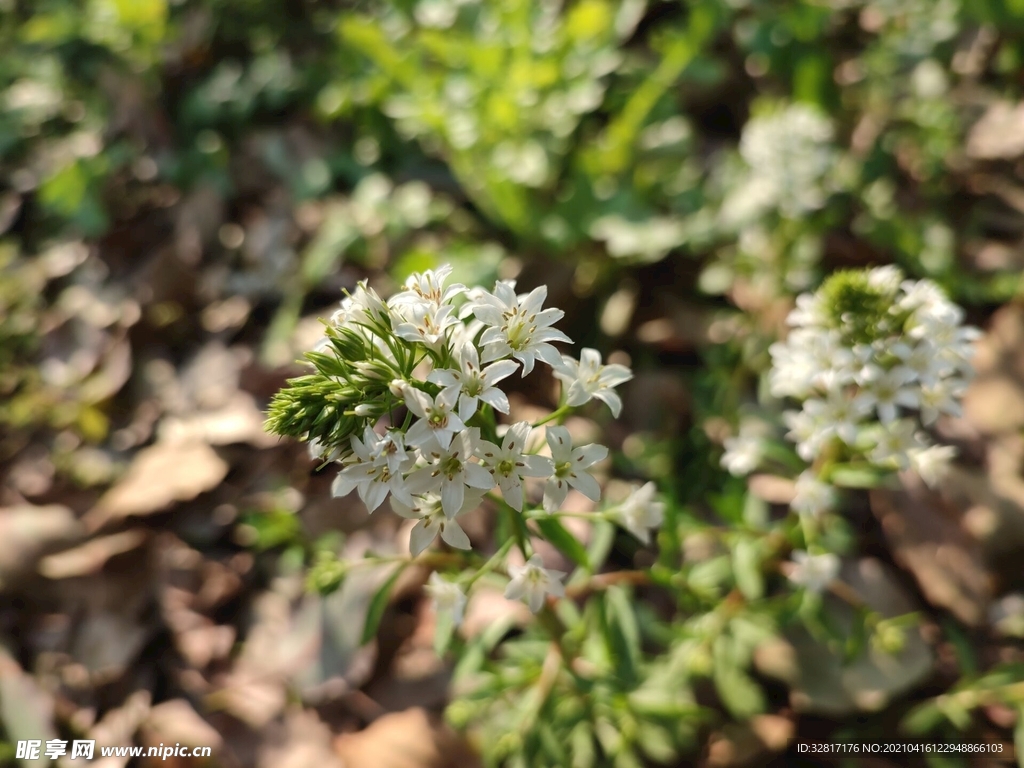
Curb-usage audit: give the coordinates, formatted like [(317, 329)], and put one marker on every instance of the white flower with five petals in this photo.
[(519, 328), (534, 582), (373, 471), (508, 465), (640, 512), (475, 383), (447, 597), (428, 287), (569, 468), (813, 572), (437, 418), (428, 509), (450, 471), (587, 379)]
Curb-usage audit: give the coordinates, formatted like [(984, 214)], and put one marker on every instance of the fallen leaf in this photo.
[(410, 739), (927, 539), (91, 556), (821, 681), (998, 134), (27, 533), (158, 477)]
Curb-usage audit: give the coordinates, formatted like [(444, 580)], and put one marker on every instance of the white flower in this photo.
[(640, 512), (932, 463), (807, 432), (884, 390), (813, 572), (370, 471), (509, 466), (447, 597), (437, 421), (588, 379), (519, 327), (362, 306), (533, 581), (887, 278), (425, 323), (812, 496), (475, 383), (810, 311), (939, 397), (391, 448), (428, 287), (894, 442), (743, 454), (569, 464), (451, 470), (429, 509), (838, 415)]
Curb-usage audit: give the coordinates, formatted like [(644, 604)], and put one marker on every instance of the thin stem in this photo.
[(556, 414)]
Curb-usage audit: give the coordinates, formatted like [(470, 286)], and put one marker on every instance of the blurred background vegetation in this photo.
[(187, 185)]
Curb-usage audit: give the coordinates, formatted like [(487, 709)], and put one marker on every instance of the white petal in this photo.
[(500, 370), (554, 494), (536, 599), (374, 494), (478, 477), (453, 492), (495, 398), (342, 485), (561, 444), (515, 589), (586, 485), (588, 455), (512, 490), (467, 407), (537, 466), (422, 534), (453, 534), (612, 400)]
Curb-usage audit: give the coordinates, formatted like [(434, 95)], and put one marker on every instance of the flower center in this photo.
[(505, 466)]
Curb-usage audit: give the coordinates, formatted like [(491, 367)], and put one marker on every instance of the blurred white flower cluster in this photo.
[(405, 401), (790, 156), (872, 356)]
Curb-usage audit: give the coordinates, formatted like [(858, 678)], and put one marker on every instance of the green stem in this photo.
[(556, 414)]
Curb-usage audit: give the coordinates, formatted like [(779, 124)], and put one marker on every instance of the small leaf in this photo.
[(739, 693), (555, 533), (746, 563), (623, 631), (444, 630), (601, 539), (377, 605), (923, 719), (581, 743), (857, 477)]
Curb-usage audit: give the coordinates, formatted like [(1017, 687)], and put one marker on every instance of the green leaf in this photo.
[(746, 563), (656, 742), (740, 694), (444, 630), (377, 605), (846, 476), (922, 719), (581, 743), (623, 631), (555, 533), (601, 539)]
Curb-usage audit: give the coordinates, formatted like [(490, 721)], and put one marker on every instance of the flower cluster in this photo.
[(790, 155), (872, 356), (404, 397)]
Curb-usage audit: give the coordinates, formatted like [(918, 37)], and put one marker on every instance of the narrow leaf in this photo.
[(377, 606), (555, 533)]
